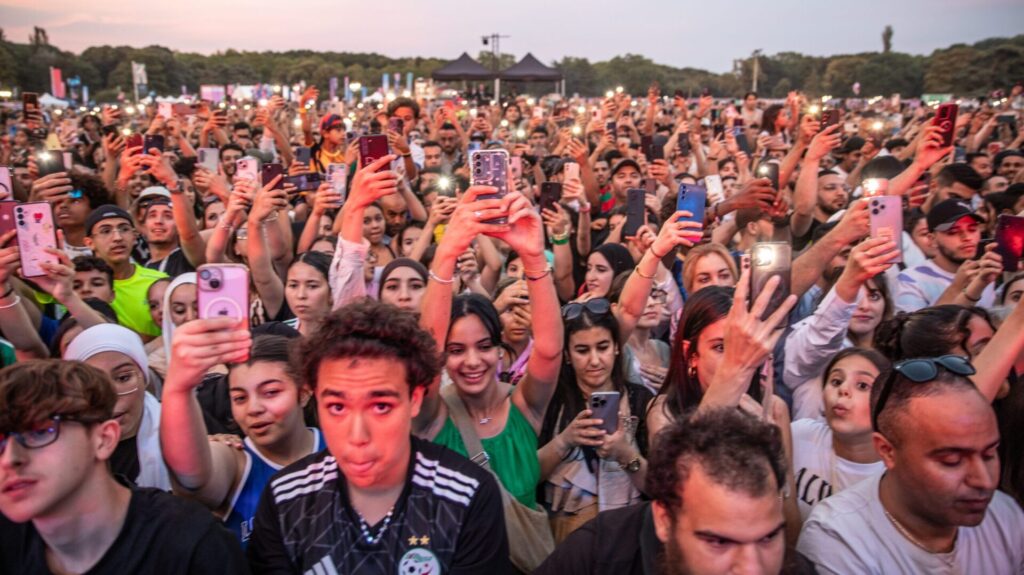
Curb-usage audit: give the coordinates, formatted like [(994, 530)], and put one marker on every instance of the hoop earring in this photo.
[(693, 373)]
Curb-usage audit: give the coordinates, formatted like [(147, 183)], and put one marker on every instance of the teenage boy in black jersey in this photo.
[(377, 500), (61, 510)]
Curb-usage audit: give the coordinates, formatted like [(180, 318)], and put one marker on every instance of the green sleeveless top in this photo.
[(513, 454)]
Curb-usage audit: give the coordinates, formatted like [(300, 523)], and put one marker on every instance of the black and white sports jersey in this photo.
[(448, 519)]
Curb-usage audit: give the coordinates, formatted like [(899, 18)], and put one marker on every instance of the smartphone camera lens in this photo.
[(204, 274), (215, 283)]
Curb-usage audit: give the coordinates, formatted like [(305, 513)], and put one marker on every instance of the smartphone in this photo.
[(109, 129), (36, 232), (133, 141), (570, 171), (886, 220), (770, 259), (7, 218), (1009, 119), (371, 148), (165, 109), (396, 125), (269, 172), (830, 117), (683, 144), (302, 182), (49, 162), (741, 140), (303, 155), (550, 194), (490, 168), (636, 212), (713, 184), (693, 199), (945, 119), (30, 101), (223, 291), (209, 158), (604, 405), (152, 141), (769, 170), (337, 175), (717, 130), (611, 128), (657, 151), (247, 168), (646, 142), (1010, 241)]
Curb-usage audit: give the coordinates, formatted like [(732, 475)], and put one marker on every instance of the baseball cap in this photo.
[(105, 212), (948, 212), (624, 163), (154, 193)]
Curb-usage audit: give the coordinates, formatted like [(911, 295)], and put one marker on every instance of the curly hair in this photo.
[(35, 390), (368, 329), (929, 332), (736, 450)]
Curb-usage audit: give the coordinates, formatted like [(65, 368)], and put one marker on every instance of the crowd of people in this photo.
[(577, 370)]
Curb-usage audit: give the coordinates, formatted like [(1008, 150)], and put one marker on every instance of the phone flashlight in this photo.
[(877, 126), (609, 94), (764, 256), (444, 182), (875, 187), (576, 131), (126, 132), (618, 89), (504, 123), (814, 109), (581, 110), (521, 133), (763, 169)]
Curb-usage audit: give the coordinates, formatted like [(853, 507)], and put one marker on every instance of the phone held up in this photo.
[(1010, 241), (768, 259), (945, 119), (223, 291), (372, 148), (636, 212), (490, 168), (886, 220), (692, 199), (550, 194), (36, 233)]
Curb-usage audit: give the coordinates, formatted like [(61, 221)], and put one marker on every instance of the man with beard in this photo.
[(229, 154), (936, 508), (716, 481), (819, 192), (111, 235), (956, 230)]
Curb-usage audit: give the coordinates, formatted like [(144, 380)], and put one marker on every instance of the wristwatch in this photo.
[(633, 466)]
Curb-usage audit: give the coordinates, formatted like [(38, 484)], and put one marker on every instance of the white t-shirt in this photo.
[(849, 533), (819, 471), (922, 286)]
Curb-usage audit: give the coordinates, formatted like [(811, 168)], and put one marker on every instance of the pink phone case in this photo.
[(886, 217), (247, 169), (36, 232), (571, 171), (223, 291)]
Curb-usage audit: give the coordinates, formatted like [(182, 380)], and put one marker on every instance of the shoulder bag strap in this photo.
[(460, 417)]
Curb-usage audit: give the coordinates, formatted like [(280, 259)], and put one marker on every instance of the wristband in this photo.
[(407, 154), (561, 241), (17, 300), (968, 297), (641, 274), (539, 275), (8, 293), (439, 279)]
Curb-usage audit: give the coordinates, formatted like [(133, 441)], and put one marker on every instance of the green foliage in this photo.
[(961, 69)]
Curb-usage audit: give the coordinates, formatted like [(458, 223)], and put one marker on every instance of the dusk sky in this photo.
[(675, 32)]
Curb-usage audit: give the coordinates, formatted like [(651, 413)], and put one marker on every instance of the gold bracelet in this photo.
[(641, 274)]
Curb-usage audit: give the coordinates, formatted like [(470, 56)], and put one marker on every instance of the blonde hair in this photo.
[(700, 252)]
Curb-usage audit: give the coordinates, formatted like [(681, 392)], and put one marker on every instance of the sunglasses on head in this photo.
[(920, 370), (597, 306)]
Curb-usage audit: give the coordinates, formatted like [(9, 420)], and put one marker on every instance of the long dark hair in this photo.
[(929, 332), (705, 307), (880, 362), (477, 305), (319, 261), (771, 113)]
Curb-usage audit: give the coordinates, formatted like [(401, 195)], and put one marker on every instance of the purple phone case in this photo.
[(886, 220), (223, 291)]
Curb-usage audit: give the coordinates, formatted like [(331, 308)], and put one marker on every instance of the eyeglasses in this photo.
[(597, 306), (44, 434), (919, 370), (123, 230)]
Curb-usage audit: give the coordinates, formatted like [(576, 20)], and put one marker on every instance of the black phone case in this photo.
[(550, 194), (770, 259), (635, 212)]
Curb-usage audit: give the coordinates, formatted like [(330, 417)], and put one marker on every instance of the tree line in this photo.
[(962, 69)]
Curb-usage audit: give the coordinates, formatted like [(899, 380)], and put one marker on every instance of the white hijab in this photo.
[(167, 325), (112, 337)]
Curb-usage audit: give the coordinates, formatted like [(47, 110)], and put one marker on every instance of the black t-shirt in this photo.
[(125, 460), (162, 535), (617, 542), (448, 520), (801, 242), (173, 265)]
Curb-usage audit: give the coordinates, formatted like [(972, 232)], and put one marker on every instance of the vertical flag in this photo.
[(385, 82), (139, 74), (348, 92), (85, 95), (398, 82), (408, 82), (333, 83), (56, 83)]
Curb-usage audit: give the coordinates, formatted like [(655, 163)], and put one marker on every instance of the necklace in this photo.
[(904, 532), (365, 529)]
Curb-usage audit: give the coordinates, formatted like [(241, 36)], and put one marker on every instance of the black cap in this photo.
[(948, 212), (105, 212), (623, 163)]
